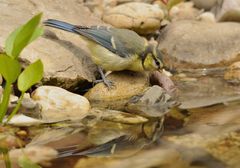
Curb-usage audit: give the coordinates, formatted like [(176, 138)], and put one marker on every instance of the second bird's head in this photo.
[(152, 58)]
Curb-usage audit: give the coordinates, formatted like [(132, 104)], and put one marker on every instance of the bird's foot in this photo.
[(107, 82)]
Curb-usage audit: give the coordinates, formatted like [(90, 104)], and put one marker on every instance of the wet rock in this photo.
[(154, 102), (163, 80), (121, 140), (192, 44), (155, 158), (118, 116), (37, 154), (56, 138), (8, 140), (183, 11), (228, 10), (21, 120), (204, 4), (226, 149), (108, 138), (221, 147), (107, 131), (127, 84), (214, 120), (140, 17), (64, 55), (59, 104), (205, 91), (28, 107), (233, 73)]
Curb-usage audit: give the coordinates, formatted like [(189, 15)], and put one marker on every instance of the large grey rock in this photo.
[(192, 44), (65, 56)]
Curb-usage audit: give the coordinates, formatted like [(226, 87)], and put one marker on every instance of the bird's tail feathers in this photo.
[(59, 24)]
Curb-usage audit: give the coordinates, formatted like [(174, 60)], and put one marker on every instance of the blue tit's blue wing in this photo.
[(119, 41), (122, 42)]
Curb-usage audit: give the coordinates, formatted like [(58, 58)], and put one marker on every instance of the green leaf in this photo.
[(10, 41), (9, 68), (37, 33), (172, 3), (25, 162), (30, 76), (22, 36)]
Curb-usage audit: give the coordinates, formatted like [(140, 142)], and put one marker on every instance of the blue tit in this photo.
[(115, 49)]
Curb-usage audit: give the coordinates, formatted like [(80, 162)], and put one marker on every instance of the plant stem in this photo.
[(16, 108), (5, 100), (6, 158)]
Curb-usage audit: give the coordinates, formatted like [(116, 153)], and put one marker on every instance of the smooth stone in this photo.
[(65, 56), (99, 6), (204, 4), (184, 11), (20, 120), (207, 17), (194, 44), (232, 73), (60, 104), (126, 85), (28, 106), (140, 17), (228, 10)]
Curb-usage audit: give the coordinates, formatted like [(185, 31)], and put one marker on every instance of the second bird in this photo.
[(115, 49)]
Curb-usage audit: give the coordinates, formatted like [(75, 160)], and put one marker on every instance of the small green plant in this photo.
[(10, 68)]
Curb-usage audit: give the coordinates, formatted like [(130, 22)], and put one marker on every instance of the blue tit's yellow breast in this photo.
[(112, 62)]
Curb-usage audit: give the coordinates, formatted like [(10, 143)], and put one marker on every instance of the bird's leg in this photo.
[(107, 82)]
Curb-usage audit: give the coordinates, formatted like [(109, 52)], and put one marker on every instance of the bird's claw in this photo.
[(107, 82)]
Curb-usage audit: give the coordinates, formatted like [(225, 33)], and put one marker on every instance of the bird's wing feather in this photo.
[(115, 40), (122, 42)]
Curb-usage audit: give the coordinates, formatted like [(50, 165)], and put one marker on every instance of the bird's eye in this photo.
[(156, 63)]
